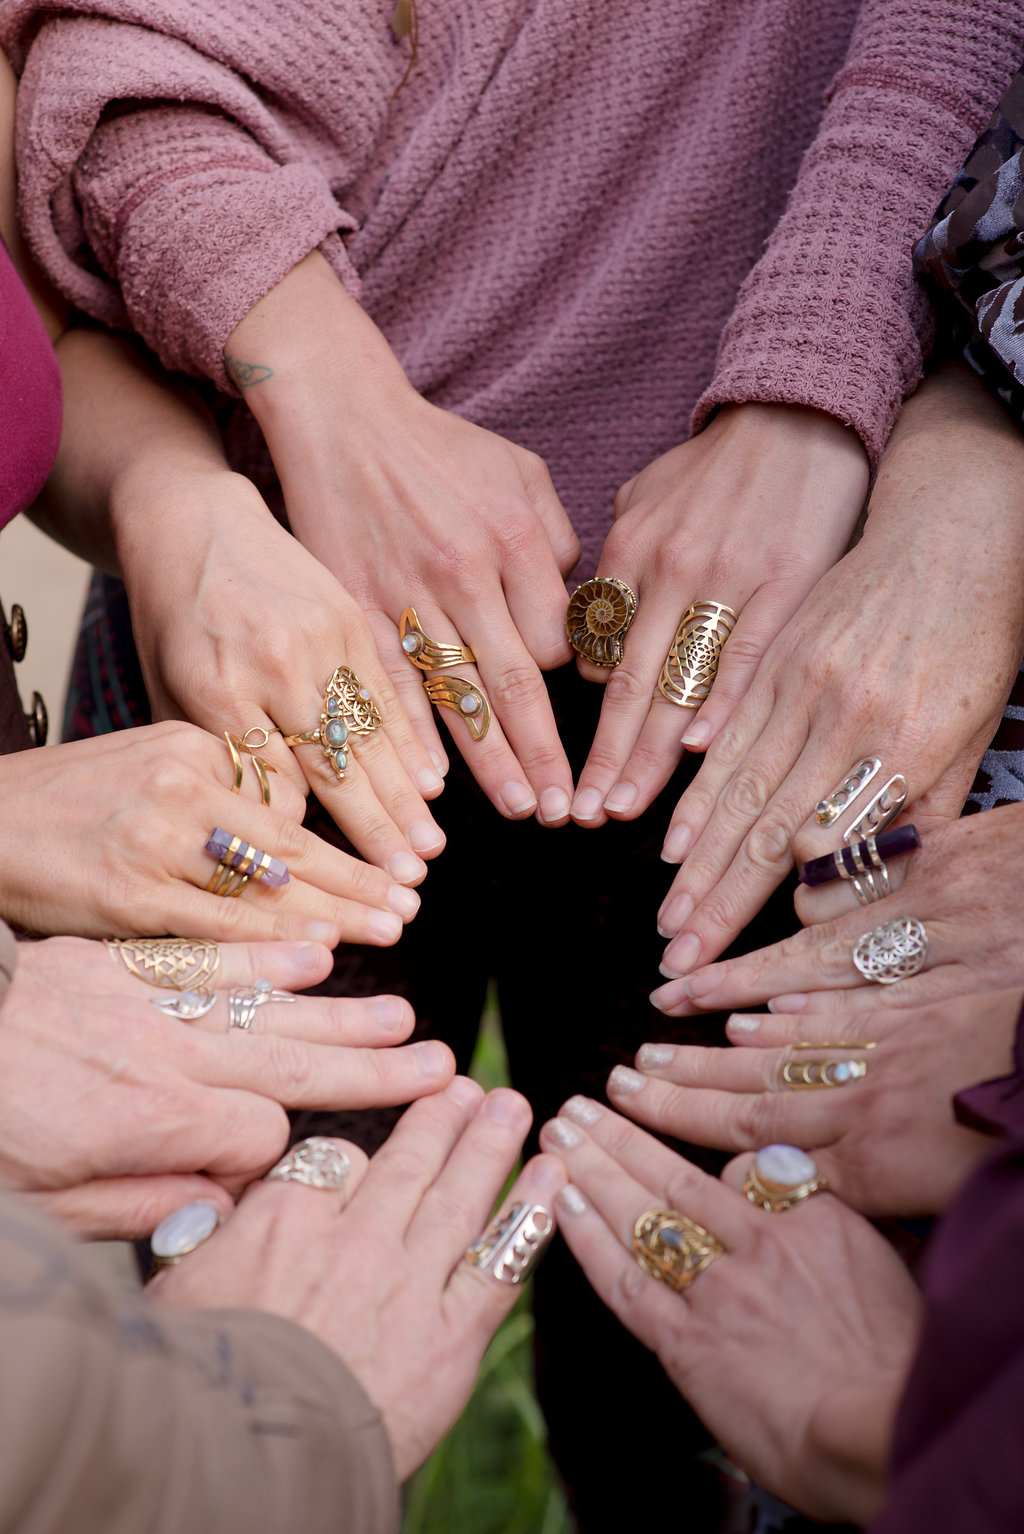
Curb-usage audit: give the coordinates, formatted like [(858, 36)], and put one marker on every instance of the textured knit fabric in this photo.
[(29, 396), (555, 221), (120, 1416)]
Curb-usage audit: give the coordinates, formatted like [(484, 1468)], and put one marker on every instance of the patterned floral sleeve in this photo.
[(972, 258)]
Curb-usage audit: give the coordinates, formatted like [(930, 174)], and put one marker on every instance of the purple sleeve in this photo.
[(30, 398), (194, 207), (831, 315)]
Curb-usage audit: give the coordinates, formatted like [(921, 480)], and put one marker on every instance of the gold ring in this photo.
[(348, 710), (808, 1075), (781, 1176), (599, 613), (465, 698), (239, 744), (691, 665), (673, 1248), (426, 653), (177, 963)]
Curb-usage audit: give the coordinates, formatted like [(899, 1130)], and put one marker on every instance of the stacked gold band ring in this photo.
[(691, 665), (427, 654)]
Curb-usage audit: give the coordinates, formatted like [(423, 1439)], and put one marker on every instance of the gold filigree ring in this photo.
[(176, 963), (427, 654), (513, 1244), (781, 1176), (673, 1248), (691, 665), (599, 613), (465, 698), (348, 712)]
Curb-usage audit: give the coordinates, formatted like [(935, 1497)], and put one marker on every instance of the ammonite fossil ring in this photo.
[(599, 613)]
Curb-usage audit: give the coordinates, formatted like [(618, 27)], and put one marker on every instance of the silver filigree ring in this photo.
[(894, 951), (317, 1162), (243, 1004)]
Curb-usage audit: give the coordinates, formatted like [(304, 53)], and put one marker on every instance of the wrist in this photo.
[(849, 1446)]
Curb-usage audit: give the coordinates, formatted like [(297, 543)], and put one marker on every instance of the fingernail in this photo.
[(794, 1003), (680, 956), (308, 956), (624, 1081), (463, 1091), (440, 763), (546, 1175), (563, 1133), (742, 1022), (677, 843), (506, 1107), (666, 997), (587, 805), (425, 837), (325, 932), (697, 736), (406, 868), (582, 1110), (553, 806), (429, 782), (674, 914), (405, 902), (621, 799), (432, 1057), (390, 1012), (571, 1199), (651, 1057), (385, 926), (518, 799), (701, 985)]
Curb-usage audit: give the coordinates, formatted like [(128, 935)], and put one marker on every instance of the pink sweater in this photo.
[(582, 223)]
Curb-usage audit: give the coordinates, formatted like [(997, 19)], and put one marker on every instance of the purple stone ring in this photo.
[(238, 862)]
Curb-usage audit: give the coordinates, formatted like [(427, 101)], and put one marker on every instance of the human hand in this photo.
[(239, 628), (962, 883), (750, 513), (116, 1113), (887, 1142), (792, 1346), (381, 1280), (410, 506), (853, 675), (106, 836)]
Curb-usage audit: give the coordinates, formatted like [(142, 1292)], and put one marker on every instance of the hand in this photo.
[(239, 628), (381, 1280), (112, 1109), (410, 506), (963, 883), (106, 836), (750, 513), (853, 675), (887, 1143), (793, 1346)]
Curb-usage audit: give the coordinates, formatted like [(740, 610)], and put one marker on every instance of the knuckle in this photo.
[(748, 1122), (745, 795), (769, 845), (517, 686), (626, 686)]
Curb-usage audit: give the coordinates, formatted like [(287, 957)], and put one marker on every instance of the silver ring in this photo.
[(181, 1232), (870, 882), (513, 1244), (892, 952), (317, 1162), (244, 1003), (187, 1005)]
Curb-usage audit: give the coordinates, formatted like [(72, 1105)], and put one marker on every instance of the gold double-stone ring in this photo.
[(464, 698)]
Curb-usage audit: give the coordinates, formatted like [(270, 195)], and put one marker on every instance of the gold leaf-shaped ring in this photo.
[(599, 614)]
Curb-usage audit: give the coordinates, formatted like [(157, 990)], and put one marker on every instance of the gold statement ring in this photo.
[(597, 618), (348, 711), (691, 665)]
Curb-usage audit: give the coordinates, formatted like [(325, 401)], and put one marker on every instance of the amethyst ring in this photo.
[(238, 862)]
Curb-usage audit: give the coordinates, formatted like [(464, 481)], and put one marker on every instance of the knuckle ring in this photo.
[(810, 1075), (691, 665), (464, 697), (239, 744)]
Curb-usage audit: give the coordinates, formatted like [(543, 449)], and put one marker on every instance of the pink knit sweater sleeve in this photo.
[(831, 315), (197, 204)]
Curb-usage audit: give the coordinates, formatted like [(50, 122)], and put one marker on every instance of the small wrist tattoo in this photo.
[(246, 375)]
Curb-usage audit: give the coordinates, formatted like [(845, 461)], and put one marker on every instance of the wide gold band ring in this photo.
[(691, 665), (673, 1248)]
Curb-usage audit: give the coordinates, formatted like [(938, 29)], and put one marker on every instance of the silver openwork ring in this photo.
[(317, 1162), (894, 951), (243, 1004), (513, 1244)]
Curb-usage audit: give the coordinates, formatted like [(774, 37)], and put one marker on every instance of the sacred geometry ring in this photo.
[(691, 665), (348, 711)]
